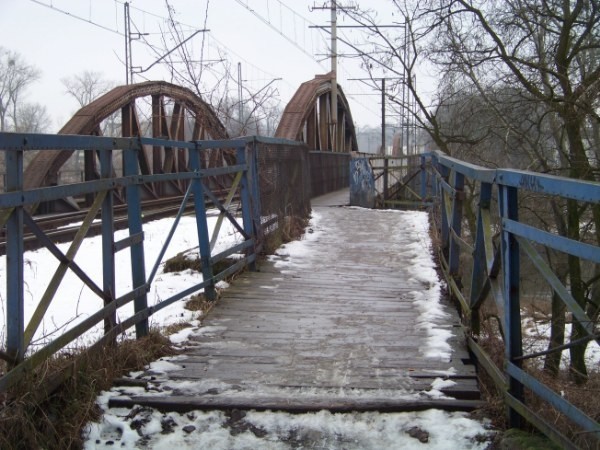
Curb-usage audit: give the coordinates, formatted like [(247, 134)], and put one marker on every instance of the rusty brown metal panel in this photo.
[(298, 114), (157, 121), (311, 134), (126, 128), (47, 164), (324, 121)]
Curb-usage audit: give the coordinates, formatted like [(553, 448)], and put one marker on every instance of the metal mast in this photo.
[(334, 89)]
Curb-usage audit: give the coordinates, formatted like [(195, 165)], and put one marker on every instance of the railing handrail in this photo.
[(495, 271)]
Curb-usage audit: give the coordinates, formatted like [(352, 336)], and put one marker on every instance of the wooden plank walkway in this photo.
[(338, 327)]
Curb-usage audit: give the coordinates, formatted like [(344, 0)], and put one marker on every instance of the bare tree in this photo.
[(15, 76), (87, 86), (32, 118), (549, 50)]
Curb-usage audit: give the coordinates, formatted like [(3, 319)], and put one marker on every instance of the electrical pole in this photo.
[(334, 89), (334, 55), (241, 107), (127, 41), (383, 152), (333, 114), (383, 116), (383, 143), (333, 122)]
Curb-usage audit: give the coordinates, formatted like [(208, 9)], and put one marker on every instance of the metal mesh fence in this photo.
[(284, 175), (330, 171)]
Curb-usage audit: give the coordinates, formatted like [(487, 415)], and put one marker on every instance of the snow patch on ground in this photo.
[(148, 428), (536, 336), (75, 302), (422, 269)]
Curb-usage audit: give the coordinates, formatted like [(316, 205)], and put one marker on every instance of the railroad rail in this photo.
[(62, 227)]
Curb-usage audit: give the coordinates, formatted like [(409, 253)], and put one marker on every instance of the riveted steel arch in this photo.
[(172, 112), (308, 117)]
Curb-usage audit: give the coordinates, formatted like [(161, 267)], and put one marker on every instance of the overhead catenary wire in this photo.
[(211, 36), (155, 50), (77, 17), (280, 30)]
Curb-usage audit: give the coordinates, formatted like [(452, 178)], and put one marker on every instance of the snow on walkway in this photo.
[(142, 427)]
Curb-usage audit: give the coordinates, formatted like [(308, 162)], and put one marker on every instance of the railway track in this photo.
[(62, 227)]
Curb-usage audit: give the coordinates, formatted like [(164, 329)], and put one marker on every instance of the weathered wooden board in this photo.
[(183, 404), (339, 317)]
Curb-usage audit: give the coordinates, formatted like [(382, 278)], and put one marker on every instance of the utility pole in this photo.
[(128, 38), (383, 126), (334, 89), (383, 139), (241, 106), (333, 116), (127, 41), (333, 7), (334, 55), (383, 152)]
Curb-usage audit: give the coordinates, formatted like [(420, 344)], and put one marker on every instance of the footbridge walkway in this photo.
[(356, 321)]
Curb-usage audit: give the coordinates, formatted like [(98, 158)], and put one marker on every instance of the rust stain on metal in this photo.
[(303, 105)]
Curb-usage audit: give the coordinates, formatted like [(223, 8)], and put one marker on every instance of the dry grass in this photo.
[(182, 261), (200, 303), (291, 229), (29, 420), (583, 397), (494, 408)]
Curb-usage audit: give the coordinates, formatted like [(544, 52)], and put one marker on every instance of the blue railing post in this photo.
[(15, 320), (508, 199), (134, 219), (246, 190), (479, 253), (456, 225), (202, 226), (108, 240), (445, 231), (255, 184), (423, 177)]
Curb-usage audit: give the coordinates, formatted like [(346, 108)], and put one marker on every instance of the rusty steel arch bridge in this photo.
[(162, 110)]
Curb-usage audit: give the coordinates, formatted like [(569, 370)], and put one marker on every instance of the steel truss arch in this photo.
[(172, 112), (308, 117)]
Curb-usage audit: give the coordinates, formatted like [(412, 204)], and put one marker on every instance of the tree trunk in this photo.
[(557, 325), (579, 169), (577, 366)]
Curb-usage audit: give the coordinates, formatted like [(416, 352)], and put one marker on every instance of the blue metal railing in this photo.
[(495, 268), (16, 203)]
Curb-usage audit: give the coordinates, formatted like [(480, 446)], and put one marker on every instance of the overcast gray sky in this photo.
[(67, 37)]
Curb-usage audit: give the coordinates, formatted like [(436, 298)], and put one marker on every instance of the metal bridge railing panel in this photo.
[(498, 253), (275, 169)]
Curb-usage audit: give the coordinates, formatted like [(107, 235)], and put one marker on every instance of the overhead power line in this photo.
[(268, 23), (75, 16)]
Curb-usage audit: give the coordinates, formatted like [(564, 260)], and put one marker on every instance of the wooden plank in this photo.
[(342, 316), (183, 404)]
